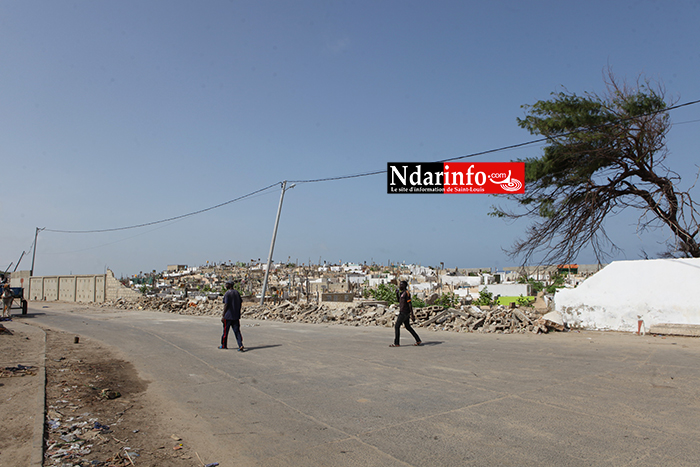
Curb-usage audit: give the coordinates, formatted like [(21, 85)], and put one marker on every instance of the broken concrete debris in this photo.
[(466, 318)]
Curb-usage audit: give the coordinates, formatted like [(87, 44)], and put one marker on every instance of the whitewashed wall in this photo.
[(660, 291)]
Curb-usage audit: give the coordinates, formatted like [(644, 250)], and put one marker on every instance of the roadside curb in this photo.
[(37, 459), (670, 329), (37, 450)]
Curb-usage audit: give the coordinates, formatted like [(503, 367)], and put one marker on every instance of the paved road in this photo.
[(313, 395)]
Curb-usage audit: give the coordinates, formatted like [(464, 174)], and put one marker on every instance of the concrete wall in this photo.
[(337, 297), (114, 289), (36, 289), (469, 281), (50, 289), (20, 279), (656, 291), (90, 289), (508, 290), (63, 288), (84, 289), (66, 288)]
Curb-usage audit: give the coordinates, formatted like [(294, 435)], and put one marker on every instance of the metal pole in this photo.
[(272, 244), (19, 261), (36, 234)]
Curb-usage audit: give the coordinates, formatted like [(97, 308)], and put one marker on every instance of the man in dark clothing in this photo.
[(405, 315), (231, 317)]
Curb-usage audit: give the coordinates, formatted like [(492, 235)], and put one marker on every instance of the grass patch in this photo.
[(505, 301)]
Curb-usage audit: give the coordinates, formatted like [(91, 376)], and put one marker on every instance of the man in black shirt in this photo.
[(405, 314), (231, 317)]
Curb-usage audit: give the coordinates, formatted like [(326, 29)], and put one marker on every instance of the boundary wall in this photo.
[(635, 296), (96, 288)]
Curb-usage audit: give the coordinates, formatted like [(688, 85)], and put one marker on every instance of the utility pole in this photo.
[(18, 261), (36, 234), (272, 244)]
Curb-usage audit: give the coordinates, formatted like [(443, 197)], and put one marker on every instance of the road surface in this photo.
[(316, 395)]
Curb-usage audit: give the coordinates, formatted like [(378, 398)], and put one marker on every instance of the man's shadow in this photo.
[(260, 347)]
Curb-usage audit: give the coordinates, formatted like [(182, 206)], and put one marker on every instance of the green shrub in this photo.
[(447, 300), (485, 298), (557, 283), (524, 301), (383, 292)]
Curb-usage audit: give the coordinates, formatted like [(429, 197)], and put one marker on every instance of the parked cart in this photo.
[(18, 299)]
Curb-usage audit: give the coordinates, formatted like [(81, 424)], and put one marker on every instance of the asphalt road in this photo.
[(315, 395)]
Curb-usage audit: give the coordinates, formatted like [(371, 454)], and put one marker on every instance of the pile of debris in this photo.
[(199, 305), (463, 319), (435, 317)]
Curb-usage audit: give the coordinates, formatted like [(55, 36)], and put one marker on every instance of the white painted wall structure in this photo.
[(659, 290), (465, 281), (508, 290)]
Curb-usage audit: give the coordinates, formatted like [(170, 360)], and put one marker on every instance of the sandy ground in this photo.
[(19, 389), (98, 411)]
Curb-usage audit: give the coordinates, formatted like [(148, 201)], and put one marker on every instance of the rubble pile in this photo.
[(195, 306), (463, 319)]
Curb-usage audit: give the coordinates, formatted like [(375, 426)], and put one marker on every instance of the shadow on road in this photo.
[(260, 347), (28, 315)]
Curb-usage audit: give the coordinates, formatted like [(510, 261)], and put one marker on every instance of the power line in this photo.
[(342, 177), (376, 172), (168, 219), (504, 148)]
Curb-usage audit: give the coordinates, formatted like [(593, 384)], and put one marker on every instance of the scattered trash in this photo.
[(19, 370), (109, 394), (212, 464), (99, 427)]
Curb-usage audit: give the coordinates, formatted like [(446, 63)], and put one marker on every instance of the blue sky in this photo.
[(120, 113)]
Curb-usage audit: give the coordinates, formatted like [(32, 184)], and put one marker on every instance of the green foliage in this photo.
[(603, 154), (557, 283), (383, 292), (520, 301), (417, 302), (485, 298), (584, 131), (447, 300), (536, 286), (238, 285), (524, 301)]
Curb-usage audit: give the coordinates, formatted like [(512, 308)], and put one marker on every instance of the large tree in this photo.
[(602, 154)]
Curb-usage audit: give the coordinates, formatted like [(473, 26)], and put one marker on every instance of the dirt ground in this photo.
[(18, 396), (98, 412)]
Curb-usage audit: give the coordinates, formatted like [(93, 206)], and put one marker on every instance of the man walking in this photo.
[(231, 317), (405, 314)]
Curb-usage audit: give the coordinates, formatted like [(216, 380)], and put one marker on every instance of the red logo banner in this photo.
[(484, 177)]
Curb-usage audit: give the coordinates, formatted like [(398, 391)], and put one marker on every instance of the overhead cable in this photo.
[(168, 219), (367, 174)]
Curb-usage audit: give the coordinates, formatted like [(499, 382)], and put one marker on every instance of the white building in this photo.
[(656, 291)]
